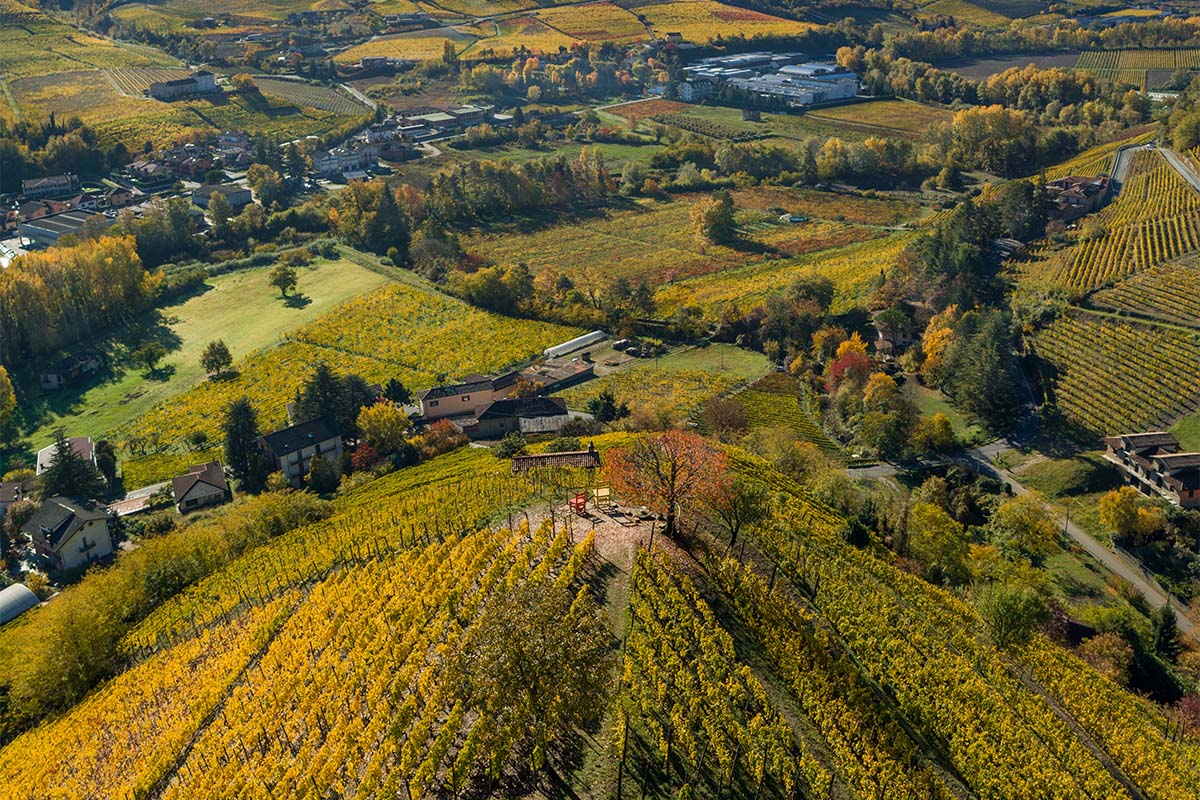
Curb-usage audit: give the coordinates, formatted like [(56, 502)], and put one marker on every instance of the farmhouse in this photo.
[(1154, 464), (521, 415), (15, 600), (70, 533), (291, 450), (457, 399), (198, 83), (1074, 196), (46, 231), (201, 486), (237, 196), (70, 369), (82, 445), (54, 186)]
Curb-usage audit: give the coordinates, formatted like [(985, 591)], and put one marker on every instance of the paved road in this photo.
[(1116, 562), (1182, 166)]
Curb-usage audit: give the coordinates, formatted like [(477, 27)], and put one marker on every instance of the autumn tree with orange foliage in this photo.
[(666, 471)]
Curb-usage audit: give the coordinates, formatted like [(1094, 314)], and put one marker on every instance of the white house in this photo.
[(70, 533)]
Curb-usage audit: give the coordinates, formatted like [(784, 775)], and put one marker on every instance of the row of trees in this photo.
[(53, 299)]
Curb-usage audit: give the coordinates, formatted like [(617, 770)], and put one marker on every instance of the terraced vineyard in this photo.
[(1155, 219), (1113, 377), (1170, 292), (773, 401)]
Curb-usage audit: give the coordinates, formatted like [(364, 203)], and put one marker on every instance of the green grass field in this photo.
[(930, 402), (1187, 431), (241, 308)]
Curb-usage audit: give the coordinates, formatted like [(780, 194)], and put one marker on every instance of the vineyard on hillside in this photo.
[(657, 243), (854, 269), (1167, 292), (774, 401), (1155, 219), (333, 661), (305, 94), (1113, 377)]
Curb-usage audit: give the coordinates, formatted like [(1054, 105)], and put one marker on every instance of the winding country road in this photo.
[(984, 459)]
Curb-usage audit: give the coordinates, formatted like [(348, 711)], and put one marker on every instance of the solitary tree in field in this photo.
[(283, 278), (148, 355), (216, 358), (713, 218), (666, 471)]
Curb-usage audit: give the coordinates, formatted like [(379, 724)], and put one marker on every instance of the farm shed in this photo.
[(15, 600), (574, 344)]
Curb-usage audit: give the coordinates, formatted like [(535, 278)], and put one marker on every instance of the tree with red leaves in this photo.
[(666, 471), (851, 366)]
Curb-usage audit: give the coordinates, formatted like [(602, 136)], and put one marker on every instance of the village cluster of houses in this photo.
[(789, 78), (1157, 466), (56, 206), (396, 139)]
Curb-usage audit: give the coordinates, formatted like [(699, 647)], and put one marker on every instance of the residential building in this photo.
[(198, 83), (694, 91), (291, 450), (352, 156), (81, 445), (70, 369), (458, 399), (46, 231), (1155, 464), (1073, 196), (120, 196), (10, 492), (578, 459), (71, 533), (521, 415), (53, 186), (202, 485), (15, 600), (237, 196)]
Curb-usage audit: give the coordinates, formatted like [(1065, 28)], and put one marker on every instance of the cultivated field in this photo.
[(36, 44), (774, 402), (136, 82), (1155, 219), (638, 110), (1167, 292), (656, 242), (677, 383), (854, 269), (894, 117), (964, 12), (1114, 377), (595, 22), (827, 205), (545, 30), (134, 120), (308, 95), (981, 68)]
